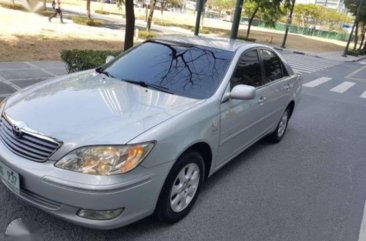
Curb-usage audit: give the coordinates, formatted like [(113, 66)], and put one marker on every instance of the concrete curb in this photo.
[(317, 56)]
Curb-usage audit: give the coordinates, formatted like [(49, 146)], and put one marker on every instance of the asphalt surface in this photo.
[(308, 187)]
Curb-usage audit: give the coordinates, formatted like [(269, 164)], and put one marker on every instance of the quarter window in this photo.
[(273, 68), (248, 70)]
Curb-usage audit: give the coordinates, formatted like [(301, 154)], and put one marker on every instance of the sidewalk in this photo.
[(335, 56), (18, 75)]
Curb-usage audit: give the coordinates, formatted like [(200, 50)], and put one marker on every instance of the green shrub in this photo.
[(101, 12), (356, 52), (13, 6), (247, 39), (87, 21), (77, 60), (205, 30), (147, 35), (45, 12), (109, 12), (166, 23)]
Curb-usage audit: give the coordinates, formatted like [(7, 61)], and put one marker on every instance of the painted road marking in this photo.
[(362, 234), (350, 76), (317, 82), (14, 86), (308, 64), (41, 69), (343, 87), (363, 95), (4, 95)]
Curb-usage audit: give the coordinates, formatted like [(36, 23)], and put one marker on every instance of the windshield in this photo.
[(191, 71)]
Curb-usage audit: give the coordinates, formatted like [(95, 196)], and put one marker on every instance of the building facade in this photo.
[(332, 4)]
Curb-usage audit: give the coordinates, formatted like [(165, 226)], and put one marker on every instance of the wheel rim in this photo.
[(184, 187), (283, 124)]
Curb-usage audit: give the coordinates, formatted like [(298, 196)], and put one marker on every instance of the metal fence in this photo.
[(304, 30)]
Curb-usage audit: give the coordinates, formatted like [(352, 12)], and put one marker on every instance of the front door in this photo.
[(242, 121)]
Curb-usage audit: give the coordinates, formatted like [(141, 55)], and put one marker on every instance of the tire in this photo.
[(179, 194), (281, 128)]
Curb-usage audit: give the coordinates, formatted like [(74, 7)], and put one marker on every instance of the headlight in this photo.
[(105, 160)]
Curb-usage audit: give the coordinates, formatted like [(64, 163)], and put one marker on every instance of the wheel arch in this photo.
[(291, 107), (205, 150)]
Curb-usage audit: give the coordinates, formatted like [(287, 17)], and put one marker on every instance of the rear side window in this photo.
[(273, 66), (248, 70)]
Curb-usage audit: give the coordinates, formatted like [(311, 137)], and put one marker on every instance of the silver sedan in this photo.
[(138, 136)]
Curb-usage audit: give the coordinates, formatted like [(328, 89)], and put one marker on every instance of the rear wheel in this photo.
[(181, 188), (280, 131)]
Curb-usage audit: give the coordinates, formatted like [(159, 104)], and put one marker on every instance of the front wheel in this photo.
[(280, 131), (181, 188)]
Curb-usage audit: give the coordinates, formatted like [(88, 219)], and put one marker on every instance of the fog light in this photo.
[(100, 215)]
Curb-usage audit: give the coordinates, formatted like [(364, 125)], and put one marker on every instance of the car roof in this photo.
[(212, 42)]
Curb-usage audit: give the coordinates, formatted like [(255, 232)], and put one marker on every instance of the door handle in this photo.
[(286, 87), (261, 100)]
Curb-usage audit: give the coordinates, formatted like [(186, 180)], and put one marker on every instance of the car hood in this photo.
[(88, 108)]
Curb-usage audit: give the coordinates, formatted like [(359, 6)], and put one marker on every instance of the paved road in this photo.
[(308, 64), (308, 187), (15, 76)]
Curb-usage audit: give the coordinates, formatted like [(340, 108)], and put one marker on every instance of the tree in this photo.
[(88, 9), (358, 9), (222, 5), (307, 14), (130, 22), (151, 14), (269, 10), (363, 33)]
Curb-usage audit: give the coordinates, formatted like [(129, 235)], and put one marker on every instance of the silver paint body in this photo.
[(87, 108)]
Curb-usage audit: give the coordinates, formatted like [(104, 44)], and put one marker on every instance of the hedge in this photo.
[(77, 60), (86, 21)]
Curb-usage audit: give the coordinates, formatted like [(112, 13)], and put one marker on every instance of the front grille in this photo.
[(28, 145)]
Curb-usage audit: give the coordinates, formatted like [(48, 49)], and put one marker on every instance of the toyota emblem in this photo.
[(17, 132)]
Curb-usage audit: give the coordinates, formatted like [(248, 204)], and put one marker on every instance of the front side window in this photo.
[(186, 70), (248, 70), (272, 66)]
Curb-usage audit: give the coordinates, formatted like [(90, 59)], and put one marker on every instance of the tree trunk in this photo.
[(363, 32), (151, 14), (44, 4), (356, 36), (130, 24), (88, 9), (251, 20)]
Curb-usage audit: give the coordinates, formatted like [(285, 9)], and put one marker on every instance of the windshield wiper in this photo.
[(101, 71), (150, 85)]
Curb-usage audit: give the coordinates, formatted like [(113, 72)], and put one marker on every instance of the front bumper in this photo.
[(62, 193)]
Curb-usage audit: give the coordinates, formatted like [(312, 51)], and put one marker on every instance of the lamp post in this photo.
[(200, 5), (289, 21)]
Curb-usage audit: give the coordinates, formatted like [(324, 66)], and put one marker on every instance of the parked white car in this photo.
[(104, 148)]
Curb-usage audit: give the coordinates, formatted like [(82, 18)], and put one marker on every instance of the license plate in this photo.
[(10, 177)]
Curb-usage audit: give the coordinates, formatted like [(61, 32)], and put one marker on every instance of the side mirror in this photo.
[(243, 92), (109, 59)]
